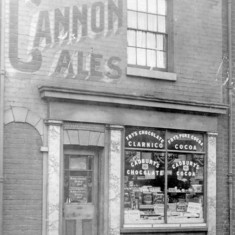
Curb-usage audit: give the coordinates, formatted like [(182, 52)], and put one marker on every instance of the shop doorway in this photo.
[(81, 192)]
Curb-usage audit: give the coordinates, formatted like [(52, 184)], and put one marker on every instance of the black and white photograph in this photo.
[(117, 117)]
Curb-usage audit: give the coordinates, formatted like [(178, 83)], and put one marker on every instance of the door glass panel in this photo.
[(78, 179), (78, 163), (81, 193)]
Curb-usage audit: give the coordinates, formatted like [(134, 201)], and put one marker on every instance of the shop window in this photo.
[(164, 179), (147, 33)]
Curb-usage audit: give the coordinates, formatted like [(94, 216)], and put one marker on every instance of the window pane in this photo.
[(151, 58), (141, 56), (161, 59), (66, 162), (132, 19), (131, 36), (142, 21), (78, 163), (152, 6), (80, 187), (160, 42), (143, 190), (142, 5), (151, 41), (141, 39), (161, 24), (152, 23), (162, 7), (132, 5), (131, 55), (78, 179), (185, 188)]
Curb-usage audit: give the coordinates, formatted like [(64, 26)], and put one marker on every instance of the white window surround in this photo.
[(147, 73)]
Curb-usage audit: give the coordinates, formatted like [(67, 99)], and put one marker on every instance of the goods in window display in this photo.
[(164, 186)]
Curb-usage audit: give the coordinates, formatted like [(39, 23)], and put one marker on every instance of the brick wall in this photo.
[(200, 43), (222, 178), (222, 197), (197, 53), (22, 201)]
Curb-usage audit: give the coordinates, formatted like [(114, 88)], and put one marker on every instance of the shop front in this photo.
[(122, 165), (163, 185)]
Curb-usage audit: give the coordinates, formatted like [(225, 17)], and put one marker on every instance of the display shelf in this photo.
[(158, 216), (185, 192), (146, 207)]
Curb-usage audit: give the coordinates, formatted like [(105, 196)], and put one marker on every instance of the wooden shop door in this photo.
[(81, 193)]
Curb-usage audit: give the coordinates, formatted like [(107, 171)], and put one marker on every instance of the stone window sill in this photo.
[(161, 75)]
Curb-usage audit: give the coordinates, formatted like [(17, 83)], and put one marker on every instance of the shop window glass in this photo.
[(185, 188), (144, 187), (164, 179)]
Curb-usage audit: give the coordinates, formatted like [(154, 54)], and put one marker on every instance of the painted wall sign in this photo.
[(144, 138), (60, 32), (185, 142)]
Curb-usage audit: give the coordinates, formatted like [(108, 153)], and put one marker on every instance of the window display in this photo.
[(144, 187), (185, 188), (164, 177)]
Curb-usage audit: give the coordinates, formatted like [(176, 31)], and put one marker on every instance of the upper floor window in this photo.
[(146, 34)]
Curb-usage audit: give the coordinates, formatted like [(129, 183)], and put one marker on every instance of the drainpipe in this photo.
[(2, 75), (230, 117)]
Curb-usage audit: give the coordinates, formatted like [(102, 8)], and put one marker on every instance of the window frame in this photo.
[(165, 226), (154, 72)]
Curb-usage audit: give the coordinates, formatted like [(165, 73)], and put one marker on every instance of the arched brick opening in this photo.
[(23, 180), (24, 115)]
